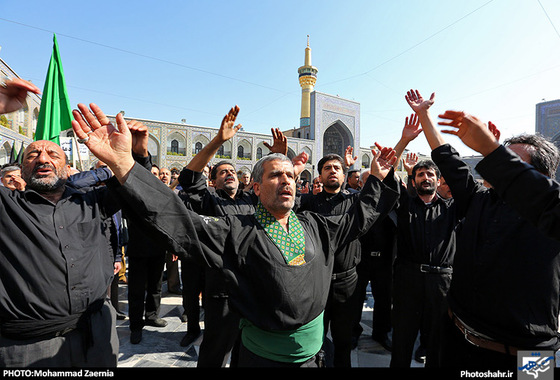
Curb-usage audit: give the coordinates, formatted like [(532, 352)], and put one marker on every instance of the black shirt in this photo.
[(54, 260), (198, 196), (324, 203), (426, 232), (262, 287), (506, 278)]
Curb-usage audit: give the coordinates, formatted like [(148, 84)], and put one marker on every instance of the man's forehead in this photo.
[(44, 145), (332, 163), (276, 165), (422, 170), (223, 167)]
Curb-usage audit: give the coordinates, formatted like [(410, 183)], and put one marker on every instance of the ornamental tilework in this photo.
[(291, 243)]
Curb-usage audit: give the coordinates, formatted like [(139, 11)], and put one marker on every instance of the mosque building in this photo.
[(328, 124)]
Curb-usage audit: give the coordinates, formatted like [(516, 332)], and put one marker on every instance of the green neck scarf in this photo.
[(291, 243)]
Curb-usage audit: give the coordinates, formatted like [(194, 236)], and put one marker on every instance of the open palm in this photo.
[(111, 144)]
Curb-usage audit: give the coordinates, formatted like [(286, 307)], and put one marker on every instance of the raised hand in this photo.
[(140, 137), (349, 159), (495, 131), (410, 160), (417, 102), (111, 144), (299, 162), (411, 128), (13, 94), (473, 132), (228, 129), (280, 142), (383, 160)]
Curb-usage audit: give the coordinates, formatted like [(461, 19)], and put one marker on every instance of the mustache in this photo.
[(285, 189), (43, 166)]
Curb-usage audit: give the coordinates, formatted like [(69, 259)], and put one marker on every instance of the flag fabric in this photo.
[(55, 114), (13, 153), (15, 157), (19, 158)]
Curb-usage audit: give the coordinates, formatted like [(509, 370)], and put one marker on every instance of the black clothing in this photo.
[(337, 204), (376, 268), (262, 287), (51, 264), (342, 296), (506, 279), (425, 252), (535, 196), (221, 325)]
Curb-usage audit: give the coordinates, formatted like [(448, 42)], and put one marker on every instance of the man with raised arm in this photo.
[(55, 266), (424, 259), (277, 264), (527, 187), (504, 296), (221, 325)]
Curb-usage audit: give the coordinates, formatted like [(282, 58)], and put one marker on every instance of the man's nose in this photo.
[(43, 157)]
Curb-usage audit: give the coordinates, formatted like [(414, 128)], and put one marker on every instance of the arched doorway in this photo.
[(336, 138)]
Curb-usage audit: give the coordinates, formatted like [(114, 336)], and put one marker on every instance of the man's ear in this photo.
[(257, 188)]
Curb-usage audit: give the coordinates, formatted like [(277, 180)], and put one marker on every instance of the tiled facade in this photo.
[(20, 125)]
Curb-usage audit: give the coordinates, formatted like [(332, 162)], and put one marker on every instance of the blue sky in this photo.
[(193, 60)]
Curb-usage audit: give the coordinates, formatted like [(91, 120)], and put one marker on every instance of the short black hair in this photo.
[(425, 164), (351, 171), (214, 170), (331, 157)]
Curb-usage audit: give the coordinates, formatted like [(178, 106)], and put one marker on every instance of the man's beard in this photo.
[(46, 184), (332, 186), (425, 190)]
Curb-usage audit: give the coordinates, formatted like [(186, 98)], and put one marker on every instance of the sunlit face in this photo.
[(425, 181), (165, 175), (155, 171), (9, 179), (246, 178), (354, 180), (44, 166), (332, 175), (317, 185), (226, 178), (277, 189)]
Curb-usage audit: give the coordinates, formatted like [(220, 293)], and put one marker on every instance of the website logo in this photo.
[(535, 365)]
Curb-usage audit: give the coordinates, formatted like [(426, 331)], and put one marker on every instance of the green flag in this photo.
[(55, 114)]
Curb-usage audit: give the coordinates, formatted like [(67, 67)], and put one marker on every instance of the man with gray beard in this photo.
[(55, 266)]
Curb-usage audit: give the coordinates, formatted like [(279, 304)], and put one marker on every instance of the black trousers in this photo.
[(221, 330), (377, 271), (145, 276), (419, 305), (192, 276), (340, 316), (67, 350)]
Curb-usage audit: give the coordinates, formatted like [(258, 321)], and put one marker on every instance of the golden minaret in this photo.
[(307, 78)]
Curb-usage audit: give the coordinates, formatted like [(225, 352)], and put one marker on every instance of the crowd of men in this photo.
[(469, 269)]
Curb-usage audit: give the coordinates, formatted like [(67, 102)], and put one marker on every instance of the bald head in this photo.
[(45, 166)]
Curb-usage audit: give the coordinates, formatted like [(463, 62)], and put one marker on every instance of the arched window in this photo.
[(197, 147), (259, 153), (174, 146), (240, 151), (220, 151)]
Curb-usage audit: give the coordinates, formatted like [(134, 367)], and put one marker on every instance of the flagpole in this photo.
[(75, 141)]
